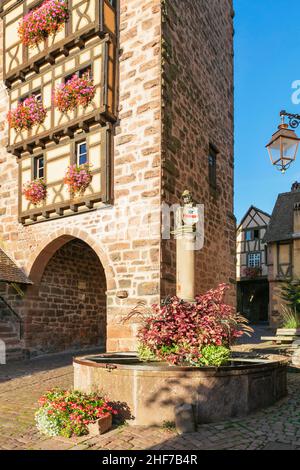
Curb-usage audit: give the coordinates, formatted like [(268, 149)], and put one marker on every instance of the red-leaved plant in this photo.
[(35, 191), (43, 21), (177, 330), (27, 114), (77, 91)]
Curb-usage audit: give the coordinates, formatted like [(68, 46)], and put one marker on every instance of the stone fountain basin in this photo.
[(151, 391)]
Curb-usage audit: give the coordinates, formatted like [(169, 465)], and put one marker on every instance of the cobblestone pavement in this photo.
[(277, 427)]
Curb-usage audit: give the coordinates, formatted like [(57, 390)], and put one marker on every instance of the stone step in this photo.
[(279, 339), (8, 335), (14, 355), (5, 328), (288, 332)]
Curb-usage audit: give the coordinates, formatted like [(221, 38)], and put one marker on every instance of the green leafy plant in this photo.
[(67, 413), (290, 293), (290, 317), (216, 356), (177, 331), (145, 354), (169, 426)]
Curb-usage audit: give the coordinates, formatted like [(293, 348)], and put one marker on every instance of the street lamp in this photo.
[(284, 144)]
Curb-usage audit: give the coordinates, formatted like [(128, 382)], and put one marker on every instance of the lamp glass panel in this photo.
[(289, 148)]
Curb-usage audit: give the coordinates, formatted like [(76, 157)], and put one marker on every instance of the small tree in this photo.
[(290, 293)]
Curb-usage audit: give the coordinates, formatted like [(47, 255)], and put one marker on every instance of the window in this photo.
[(248, 235), (38, 167), (251, 235), (256, 234), (37, 94), (113, 3), (79, 73), (81, 153), (254, 260), (212, 167)]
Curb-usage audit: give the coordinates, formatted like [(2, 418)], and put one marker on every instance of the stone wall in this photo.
[(124, 236), (69, 309), (193, 108), (198, 111)]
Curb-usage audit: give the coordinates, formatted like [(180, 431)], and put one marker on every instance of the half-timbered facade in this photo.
[(146, 136), (85, 44), (252, 268), (283, 239)]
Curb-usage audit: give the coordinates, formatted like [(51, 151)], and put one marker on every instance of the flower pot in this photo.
[(100, 426)]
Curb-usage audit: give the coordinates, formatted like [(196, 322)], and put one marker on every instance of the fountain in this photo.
[(151, 391)]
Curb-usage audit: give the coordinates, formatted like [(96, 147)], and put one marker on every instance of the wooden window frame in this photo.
[(254, 253), (77, 144), (35, 168), (35, 92), (79, 72)]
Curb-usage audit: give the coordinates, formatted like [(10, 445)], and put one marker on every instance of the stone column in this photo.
[(185, 263)]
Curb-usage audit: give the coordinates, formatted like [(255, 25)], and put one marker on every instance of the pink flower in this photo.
[(39, 23), (78, 178), (35, 191), (27, 114), (77, 91)]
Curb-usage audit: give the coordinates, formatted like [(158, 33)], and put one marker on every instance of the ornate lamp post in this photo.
[(284, 144)]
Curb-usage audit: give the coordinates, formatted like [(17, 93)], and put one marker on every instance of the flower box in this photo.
[(69, 413), (77, 91), (101, 426), (35, 191), (252, 272), (27, 114), (43, 21), (78, 178)]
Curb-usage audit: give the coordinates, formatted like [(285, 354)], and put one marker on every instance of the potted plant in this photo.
[(35, 191), (196, 333), (71, 413), (78, 178), (77, 91), (43, 21), (28, 113)]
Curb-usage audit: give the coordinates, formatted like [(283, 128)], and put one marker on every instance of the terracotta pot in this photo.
[(100, 426)]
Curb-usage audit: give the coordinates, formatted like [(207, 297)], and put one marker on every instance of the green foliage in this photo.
[(67, 413), (214, 356), (290, 292), (290, 317), (145, 354), (169, 426)]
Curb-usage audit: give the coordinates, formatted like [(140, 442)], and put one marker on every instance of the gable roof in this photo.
[(281, 226), (10, 272), (249, 211)]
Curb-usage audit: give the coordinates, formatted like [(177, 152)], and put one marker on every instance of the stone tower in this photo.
[(161, 122)]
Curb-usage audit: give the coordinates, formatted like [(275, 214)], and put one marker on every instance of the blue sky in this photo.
[(267, 50)]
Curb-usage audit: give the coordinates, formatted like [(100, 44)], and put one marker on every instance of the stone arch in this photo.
[(53, 242), (66, 307)]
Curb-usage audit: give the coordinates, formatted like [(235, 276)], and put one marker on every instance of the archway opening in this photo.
[(68, 300)]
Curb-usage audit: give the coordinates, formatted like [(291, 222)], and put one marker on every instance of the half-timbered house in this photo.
[(283, 239), (252, 269)]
